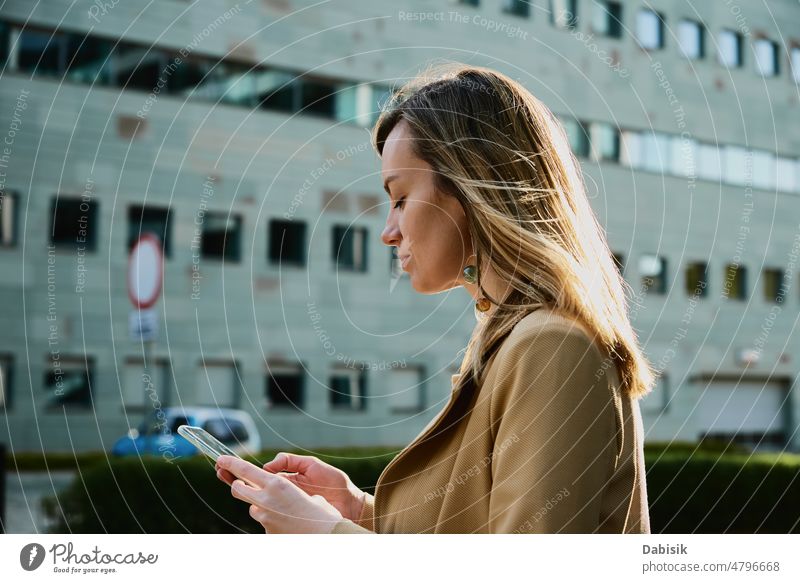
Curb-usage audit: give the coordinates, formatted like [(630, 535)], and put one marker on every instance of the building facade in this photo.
[(238, 133)]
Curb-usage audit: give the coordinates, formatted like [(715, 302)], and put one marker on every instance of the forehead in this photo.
[(398, 155)]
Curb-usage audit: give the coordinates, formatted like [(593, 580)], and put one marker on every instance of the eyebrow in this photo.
[(386, 183)]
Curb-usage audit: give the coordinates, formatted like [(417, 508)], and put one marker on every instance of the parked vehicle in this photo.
[(158, 433)]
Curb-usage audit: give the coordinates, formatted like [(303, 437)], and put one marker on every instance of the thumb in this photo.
[(280, 463)]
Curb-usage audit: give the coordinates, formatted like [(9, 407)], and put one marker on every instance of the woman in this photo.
[(542, 432)]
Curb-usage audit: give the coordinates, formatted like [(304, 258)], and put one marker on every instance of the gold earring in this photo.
[(471, 276)]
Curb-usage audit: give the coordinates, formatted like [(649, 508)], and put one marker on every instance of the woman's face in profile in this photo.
[(429, 228)]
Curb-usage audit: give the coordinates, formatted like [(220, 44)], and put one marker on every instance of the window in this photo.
[(655, 152), (730, 49), (287, 242), (607, 18), (68, 381), (140, 391), (217, 384), (604, 141), (619, 261), (318, 98), (773, 285), (738, 165), (355, 104), (794, 57), (564, 13), (787, 173), (88, 60), (764, 169), (8, 218), (138, 67), (4, 42), (404, 386), (221, 236), (684, 156), (653, 269), (766, 53), (6, 380), (709, 162), (697, 279), (649, 29), (516, 7), (73, 223), (41, 52), (153, 220), (630, 154), (735, 285), (578, 136), (657, 400), (350, 247), (277, 91), (467, 2), (348, 388), (284, 386), (691, 39)]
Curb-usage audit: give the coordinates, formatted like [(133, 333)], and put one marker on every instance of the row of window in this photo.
[(683, 156), (734, 281), (90, 59), (87, 59), (74, 225), (70, 382), (606, 18)]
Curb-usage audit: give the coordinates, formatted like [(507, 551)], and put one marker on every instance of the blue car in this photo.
[(158, 433)]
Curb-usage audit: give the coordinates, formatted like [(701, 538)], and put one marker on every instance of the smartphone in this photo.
[(209, 445), (205, 442)]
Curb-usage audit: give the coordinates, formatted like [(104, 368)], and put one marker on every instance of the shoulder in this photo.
[(548, 330), (548, 347)]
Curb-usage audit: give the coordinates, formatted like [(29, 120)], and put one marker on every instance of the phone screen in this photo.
[(205, 442)]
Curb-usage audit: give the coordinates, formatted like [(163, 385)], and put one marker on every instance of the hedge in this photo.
[(690, 490)]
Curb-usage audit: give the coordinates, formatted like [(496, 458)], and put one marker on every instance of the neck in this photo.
[(494, 286)]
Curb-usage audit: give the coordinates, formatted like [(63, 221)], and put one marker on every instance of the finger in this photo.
[(245, 470), (226, 476), (245, 493), (289, 462)]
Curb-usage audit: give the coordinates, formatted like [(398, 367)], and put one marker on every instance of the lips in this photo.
[(404, 260)]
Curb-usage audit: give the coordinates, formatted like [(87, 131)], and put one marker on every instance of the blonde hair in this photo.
[(505, 157)]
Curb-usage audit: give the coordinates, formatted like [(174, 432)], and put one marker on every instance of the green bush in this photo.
[(152, 495), (689, 491), (712, 493)]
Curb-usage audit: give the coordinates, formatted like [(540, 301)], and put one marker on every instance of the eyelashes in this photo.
[(399, 202)]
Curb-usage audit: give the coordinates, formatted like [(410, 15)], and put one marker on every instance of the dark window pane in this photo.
[(285, 389), (221, 236), (73, 223), (69, 384), (146, 219), (6, 381), (138, 68), (4, 40), (318, 98), (88, 60), (516, 7), (39, 52), (277, 91), (348, 390), (697, 279), (350, 247), (8, 218), (287, 242), (735, 285)]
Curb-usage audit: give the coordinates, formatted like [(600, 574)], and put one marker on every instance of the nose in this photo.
[(391, 232)]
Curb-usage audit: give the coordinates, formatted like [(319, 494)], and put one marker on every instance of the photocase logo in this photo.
[(31, 556)]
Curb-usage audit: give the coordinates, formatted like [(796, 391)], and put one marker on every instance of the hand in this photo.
[(278, 504), (315, 478)]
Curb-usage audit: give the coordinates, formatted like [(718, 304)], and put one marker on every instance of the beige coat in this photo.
[(547, 445)]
